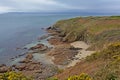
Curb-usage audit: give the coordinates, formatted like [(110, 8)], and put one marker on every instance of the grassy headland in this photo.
[(103, 34), (98, 31)]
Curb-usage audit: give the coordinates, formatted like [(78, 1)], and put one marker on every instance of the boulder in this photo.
[(4, 68), (20, 67), (29, 56), (25, 61), (1, 65), (40, 47)]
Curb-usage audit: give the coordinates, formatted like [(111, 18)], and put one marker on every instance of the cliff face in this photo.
[(98, 31)]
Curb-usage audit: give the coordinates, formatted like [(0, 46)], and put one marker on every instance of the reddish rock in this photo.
[(61, 50), (40, 47), (55, 40), (4, 68), (25, 61), (29, 56), (20, 67)]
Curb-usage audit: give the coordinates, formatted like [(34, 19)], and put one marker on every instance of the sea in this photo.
[(20, 29)]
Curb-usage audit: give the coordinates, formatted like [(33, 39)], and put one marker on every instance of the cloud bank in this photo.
[(59, 5)]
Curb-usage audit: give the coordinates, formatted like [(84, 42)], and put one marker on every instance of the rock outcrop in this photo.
[(4, 68)]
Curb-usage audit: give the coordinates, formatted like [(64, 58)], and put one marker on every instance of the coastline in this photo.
[(64, 52), (46, 55)]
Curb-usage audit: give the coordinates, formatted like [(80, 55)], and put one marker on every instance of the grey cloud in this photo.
[(59, 5)]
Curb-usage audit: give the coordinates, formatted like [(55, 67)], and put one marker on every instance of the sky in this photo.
[(110, 6)]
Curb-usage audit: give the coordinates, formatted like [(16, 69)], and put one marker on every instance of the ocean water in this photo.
[(18, 30)]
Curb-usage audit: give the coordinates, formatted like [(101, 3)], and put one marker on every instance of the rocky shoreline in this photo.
[(59, 57)]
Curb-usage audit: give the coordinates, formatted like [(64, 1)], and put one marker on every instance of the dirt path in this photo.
[(82, 53)]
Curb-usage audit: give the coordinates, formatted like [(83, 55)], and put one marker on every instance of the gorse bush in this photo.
[(82, 76), (13, 76), (112, 53), (111, 57), (52, 78)]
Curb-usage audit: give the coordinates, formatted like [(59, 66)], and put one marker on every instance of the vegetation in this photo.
[(101, 65), (111, 53), (111, 56), (82, 76), (98, 31), (13, 76), (52, 78), (103, 33)]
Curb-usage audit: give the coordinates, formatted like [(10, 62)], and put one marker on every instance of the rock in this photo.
[(38, 71), (43, 37), (12, 58), (36, 63), (55, 40), (72, 48), (4, 68), (49, 28), (24, 48), (21, 55), (40, 47), (18, 48), (1, 65), (14, 65), (25, 61), (59, 51), (29, 56), (20, 67)]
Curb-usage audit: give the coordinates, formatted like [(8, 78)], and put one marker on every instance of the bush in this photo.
[(13, 76), (82, 76), (52, 78)]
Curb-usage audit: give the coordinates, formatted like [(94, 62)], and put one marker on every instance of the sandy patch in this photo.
[(82, 53)]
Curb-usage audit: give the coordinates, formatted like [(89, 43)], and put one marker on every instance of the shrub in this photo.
[(82, 76), (111, 77), (52, 78), (13, 76)]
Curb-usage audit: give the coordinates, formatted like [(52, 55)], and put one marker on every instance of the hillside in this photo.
[(98, 31), (103, 65), (103, 34)]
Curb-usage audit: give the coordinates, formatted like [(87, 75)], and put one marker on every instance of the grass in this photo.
[(90, 29), (103, 33), (110, 55), (102, 65)]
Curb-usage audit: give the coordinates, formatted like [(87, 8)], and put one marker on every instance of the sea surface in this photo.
[(20, 29)]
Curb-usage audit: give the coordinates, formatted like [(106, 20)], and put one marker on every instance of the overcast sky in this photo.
[(59, 5)]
